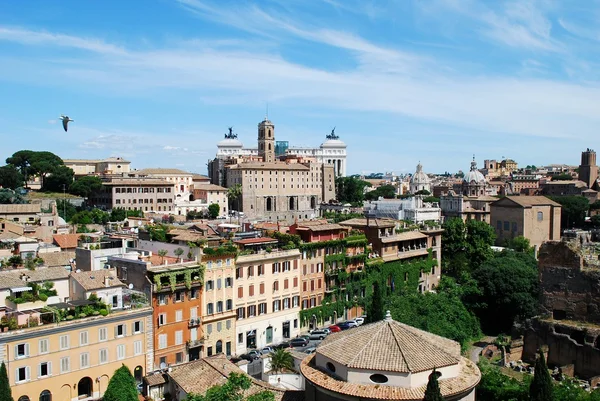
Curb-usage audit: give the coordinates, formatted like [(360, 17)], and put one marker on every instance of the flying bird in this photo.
[(65, 121)]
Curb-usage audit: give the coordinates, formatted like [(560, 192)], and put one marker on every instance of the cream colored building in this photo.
[(387, 360), (218, 305), (111, 165), (74, 360), (181, 180), (145, 194), (267, 298), (205, 194)]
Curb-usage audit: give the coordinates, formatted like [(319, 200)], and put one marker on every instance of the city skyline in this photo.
[(433, 81)]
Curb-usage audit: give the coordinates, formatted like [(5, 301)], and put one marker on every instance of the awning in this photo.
[(20, 289)]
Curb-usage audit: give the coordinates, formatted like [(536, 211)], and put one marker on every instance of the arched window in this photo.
[(219, 347), (292, 203), (85, 388), (313, 202), (138, 374), (269, 146), (46, 395), (23, 398), (269, 204)]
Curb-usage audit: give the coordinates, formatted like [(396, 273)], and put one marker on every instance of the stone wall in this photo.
[(570, 282)]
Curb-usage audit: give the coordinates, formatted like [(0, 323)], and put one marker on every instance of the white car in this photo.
[(351, 324), (359, 320), (267, 350)]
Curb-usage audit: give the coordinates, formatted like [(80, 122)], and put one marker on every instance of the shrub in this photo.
[(43, 297), (103, 312)]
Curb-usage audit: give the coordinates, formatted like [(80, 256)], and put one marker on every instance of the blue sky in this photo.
[(436, 81)]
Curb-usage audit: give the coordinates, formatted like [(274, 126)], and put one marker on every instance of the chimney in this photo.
[(107, 281)]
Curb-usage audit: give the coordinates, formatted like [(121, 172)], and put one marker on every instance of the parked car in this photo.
[(334, 328), (359, 320), (267, 350), (352, 324), (247, 357), (282, 345), (310, 350), (317, 335), (254, 354), (299, 342), (343, 325), (306, 336)]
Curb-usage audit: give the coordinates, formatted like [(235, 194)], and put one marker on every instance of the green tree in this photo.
[(573, 211), (162, 253), (178, 252), (480, 238), (541, 388), (85, 186), (65, 207), (10, 177), (423, 192), (466, 246), (375, 310), (121, 386), (432, 392), (350, 190), (495, 386), (233, 195), (118, 214), (8, 196), (232, 390), (595, 220), (519, 244), (562, 177), (213, 210), (384, 191), (431, 199), (509, 286), (21, 160), (5, 391), (280, 360), (60, 177)]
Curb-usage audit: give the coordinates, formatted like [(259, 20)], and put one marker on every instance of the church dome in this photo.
[(333, 143), (420, 177), (474, 175)]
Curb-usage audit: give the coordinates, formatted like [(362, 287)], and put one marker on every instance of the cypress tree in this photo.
[(121, 386), (433, 393), (541, 385), (5, 392), (375, 313)]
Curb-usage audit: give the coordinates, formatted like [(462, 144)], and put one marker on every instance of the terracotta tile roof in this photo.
[(528, 201), (53, 259), (11, 279), (405, 236), (155, 379), (156, 260), (320, 227), (250, 241), (94, 280), (198, 376), (390, 346), (18, 208), (209, 187), (66, 241), (47, 274), (468, 378), (359, 222), (188, 236), (200, 177)]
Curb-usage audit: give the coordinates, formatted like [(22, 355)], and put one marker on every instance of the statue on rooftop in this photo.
[(230, 135), (332, 135)]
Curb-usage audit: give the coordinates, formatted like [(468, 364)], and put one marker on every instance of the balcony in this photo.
[(195, 343), (195, 322)]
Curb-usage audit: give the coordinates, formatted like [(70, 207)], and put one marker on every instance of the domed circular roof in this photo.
[(333, 143), (420, 177), (390, 346), (474, 175), (230, 143)]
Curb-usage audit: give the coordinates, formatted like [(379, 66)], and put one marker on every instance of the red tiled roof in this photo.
[(250, 241), (66, 241)]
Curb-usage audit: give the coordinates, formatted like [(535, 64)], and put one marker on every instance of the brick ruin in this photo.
[(569, 321)]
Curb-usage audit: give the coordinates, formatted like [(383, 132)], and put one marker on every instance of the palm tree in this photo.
[(233, 194), (281, 359), (162, 253)]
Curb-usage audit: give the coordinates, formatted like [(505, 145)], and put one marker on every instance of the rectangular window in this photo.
[(240, 338), (219, 327), (228, 324), (162, 299), (240, 292), (209, 309), (285, 284), (276, 267), (22, 350), (162, 341), (239, 272), (179, 357), (262, 308), (261, 270), (194, 312), (229, 304), (304, 286), (219, 283), (209, 328), (45, 369), (286, 266), (84, 360), (102, 334), (137, 327), (219, 306), (241, 313), (228, 282), (179, 296), (65, 364), (499, 225), (179, 337), (103, 357), (162, 319), (295, 301), (22, 374), (506, 226), (83, 338), (251, 291), (193, 293), (250, 271), (252, 311), (295, 282), (276, 305), (540, 216), (178, 315), (43, 346), (228, 348), (209, 285), (64, 342), (121, 351), (262, 288), (120, 330), (137, 348)]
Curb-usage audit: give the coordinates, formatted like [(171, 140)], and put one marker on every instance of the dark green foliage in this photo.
[(8, 196), (158, 233), (10, 177), (234, 194), (574, 210), (350, 190), (21, 160), (562, 177), (63, 206), (443, 314), (336, 217), (375, 312), (281, 359), (85, 186), (5, 391), (432, 392), (423, 192), (232, 390), (31, 163), (541, 385), (121, 386), (431, 199), (384, 191), (59, 177), (120, 214), (93, 216), (495, 386), (519, 244), (510, 288), (213, 210), (465, 246)]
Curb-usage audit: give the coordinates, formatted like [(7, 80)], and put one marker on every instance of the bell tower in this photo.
[(266, 140)]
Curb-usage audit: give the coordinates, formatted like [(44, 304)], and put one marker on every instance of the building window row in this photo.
[(178, 296), (218, 306), (210, 284), (277, 305)]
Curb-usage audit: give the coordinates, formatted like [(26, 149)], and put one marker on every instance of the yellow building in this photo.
[(74, 360)]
